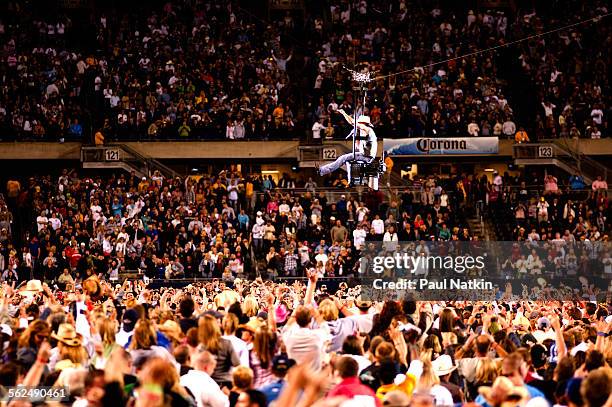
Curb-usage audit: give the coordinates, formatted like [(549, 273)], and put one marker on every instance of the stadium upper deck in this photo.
[(199, 70)]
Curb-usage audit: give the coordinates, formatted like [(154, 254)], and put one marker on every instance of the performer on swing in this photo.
[(365, 146)]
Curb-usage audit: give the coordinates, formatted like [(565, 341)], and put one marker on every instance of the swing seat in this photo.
[(361, 172)]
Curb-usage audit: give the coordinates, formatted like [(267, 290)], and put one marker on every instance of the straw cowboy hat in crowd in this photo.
[(253, 325), (67, 335), (31, 288), (504, 393)]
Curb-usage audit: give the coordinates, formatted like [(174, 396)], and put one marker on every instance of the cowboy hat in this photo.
[(363, 304), (396, 398), (253, 325), (521, 322), (32, 287), (67, 335), (363, 119), (504, 391), (443, 365)]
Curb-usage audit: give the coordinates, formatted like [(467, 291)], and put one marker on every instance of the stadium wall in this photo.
[(252, 150)]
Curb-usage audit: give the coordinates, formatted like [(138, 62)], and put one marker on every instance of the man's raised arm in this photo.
[(346, 116)]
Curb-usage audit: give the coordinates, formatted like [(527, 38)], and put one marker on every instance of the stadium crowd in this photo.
[(229, 289), (202, 70), (233, 339), (224, 226), (229, 225), (263, 343)]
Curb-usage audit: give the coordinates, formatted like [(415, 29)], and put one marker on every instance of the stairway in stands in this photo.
[(483, 225), (122, 156)]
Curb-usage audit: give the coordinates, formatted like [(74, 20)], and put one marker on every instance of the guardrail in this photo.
[(561, 156)]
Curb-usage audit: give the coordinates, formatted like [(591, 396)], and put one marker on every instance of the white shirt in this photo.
[(96, 211), (441, 395), (548, 109), (541, 336), (359, 236), (205, 390), (364, 322), (362, 211), (316, 130), (284, 208), (596, 115), (321, 257), (240, 347), (362, 361), (389, 241), (582, 346), (123, 337), (379, 226), (41, 221), (372, 140), (304, 343), (55, 223)]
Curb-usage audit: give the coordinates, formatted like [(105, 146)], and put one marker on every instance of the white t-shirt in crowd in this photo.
[(379, 226), (359, 236), (41, 221), (597, 115), (205, 390), (240, 347), (306, 344), (316, 130)]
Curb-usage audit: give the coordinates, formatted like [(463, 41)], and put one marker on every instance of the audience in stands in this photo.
[(205, 70)]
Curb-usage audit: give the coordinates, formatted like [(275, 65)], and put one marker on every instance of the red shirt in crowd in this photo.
[(351, 387)]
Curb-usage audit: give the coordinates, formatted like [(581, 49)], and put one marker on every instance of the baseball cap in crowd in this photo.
[(543, 323), (539, 354), (214, 313), (281, 363), (130, 317), (396, 398)]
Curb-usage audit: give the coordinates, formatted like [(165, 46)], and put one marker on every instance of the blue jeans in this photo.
[(333, 166)]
